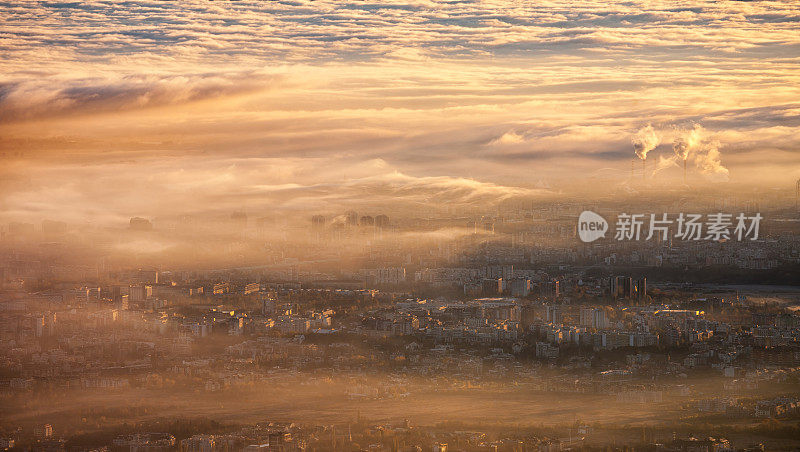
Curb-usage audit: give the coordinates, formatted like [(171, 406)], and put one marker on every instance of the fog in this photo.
[(336, 225)]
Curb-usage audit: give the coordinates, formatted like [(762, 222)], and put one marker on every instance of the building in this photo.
[(139, 293), (545, 350), (519, 287), (553, 314), (43, 431), (491, 287), (550, 289), (390, 275), (221, 288), (593, 318)]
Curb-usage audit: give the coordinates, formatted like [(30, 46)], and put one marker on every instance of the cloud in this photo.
[(110, 194), (510, 137), (48, 97), (504, 93)]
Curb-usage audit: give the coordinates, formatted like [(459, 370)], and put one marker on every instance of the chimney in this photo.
[(684, 171), (644, 168)]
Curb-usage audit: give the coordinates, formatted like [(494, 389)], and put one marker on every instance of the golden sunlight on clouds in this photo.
[(304, 97)]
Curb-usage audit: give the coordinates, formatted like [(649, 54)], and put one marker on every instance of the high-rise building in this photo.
[(550, 289), (593, 318), (390, 275), (499, 271), (627, 287), (621, 287), (519, 287), (43, 431), (492, 287), (641, 289), (553, 314), (318, 221), (139, 293), (382, 221)]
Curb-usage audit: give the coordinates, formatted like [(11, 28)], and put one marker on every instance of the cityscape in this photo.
[(353, 336), (399, 226)]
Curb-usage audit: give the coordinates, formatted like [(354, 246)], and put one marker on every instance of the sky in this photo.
[(141, 108)]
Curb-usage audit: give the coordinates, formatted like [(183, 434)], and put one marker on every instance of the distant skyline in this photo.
[(110, 110)]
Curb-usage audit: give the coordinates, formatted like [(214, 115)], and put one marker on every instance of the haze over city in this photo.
[(402, 225)]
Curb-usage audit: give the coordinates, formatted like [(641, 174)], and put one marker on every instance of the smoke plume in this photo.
[(644, 141), (687, 140), (664, 163), (709, 162)]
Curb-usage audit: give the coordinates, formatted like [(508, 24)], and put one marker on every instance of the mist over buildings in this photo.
[(408, 226)]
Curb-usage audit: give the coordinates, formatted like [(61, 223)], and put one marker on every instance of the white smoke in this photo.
[(645, 140), (692, 143), (689, 144), (708, 160), (687, 140), (664, 163)]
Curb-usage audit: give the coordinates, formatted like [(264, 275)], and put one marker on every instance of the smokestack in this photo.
[(684, 171), (797, 197), (644, 141), (688, 141)]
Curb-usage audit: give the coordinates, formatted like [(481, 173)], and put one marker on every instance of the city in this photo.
[(399, 226), (355, 337)]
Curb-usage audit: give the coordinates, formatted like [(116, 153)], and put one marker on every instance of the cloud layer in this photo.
[(443, 93)]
